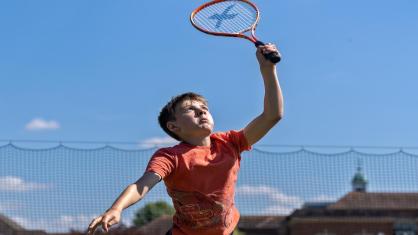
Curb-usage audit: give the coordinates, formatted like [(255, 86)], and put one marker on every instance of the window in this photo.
[(405, 228), (405, 233)]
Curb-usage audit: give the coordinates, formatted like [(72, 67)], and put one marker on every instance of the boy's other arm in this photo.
[(273, 99), (132, 194)]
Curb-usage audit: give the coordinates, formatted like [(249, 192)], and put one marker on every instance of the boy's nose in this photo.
[(201, 112)]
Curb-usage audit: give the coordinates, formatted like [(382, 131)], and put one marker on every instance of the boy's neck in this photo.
[(205, 141)]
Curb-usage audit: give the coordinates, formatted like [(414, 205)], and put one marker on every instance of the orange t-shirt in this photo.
[(201, 182)]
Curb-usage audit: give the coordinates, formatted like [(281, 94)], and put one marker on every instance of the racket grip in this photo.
[(274, 57)]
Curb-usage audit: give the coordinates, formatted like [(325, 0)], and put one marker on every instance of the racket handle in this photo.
[(274, 57)]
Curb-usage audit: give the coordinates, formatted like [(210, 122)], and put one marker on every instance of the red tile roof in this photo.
[(164, 223), (263, 222), (377, 201), (157, 226)]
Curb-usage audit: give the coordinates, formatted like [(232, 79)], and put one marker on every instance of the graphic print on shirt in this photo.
[(197, 210)]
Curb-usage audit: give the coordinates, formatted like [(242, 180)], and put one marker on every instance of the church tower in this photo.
[(359, 181)]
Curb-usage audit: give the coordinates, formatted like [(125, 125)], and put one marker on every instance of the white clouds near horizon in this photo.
[(280, 203), (61, 224), (10, 206), (324, 198), (158, 142), (16, 184), (39, 124)]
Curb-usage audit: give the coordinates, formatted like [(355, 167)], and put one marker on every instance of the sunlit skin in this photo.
[(193, 122)]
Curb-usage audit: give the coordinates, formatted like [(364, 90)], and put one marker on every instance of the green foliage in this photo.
[(237, 232), (152, 211)]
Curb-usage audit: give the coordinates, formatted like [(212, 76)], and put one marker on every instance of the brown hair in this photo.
[(168, 111)]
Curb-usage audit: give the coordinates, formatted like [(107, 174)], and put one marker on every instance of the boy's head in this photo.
[(186, 115)]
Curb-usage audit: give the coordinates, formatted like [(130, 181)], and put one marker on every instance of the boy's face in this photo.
[(193, 119)]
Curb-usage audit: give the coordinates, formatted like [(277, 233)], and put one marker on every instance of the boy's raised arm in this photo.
[(273, 99), (132, 194)]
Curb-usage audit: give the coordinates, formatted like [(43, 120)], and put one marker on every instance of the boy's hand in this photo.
[(265, 49), (109, 218)]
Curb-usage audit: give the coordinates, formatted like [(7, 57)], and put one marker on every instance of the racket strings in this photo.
[(231, 22), (245, 20), (226, 17)]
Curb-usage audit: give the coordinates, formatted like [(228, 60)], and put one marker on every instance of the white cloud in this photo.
[(158, 141), (279, 203), (323, 198), (39, 124), (10, 206), (279, 210), (21, 221), (16, 184), (61, 224), (78, 222)]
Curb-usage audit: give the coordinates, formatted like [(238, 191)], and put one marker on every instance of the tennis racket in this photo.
[(230, 18)]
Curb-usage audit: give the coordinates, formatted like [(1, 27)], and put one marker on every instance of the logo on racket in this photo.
[(224, 16)]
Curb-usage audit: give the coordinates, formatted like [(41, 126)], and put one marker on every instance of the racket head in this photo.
[(230, 18)]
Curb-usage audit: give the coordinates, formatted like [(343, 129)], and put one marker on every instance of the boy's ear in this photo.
[(172, 126)]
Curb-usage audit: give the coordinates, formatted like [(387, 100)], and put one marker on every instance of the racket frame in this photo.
[(240, 34)]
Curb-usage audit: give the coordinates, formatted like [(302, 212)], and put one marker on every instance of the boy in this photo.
[(200, 173)]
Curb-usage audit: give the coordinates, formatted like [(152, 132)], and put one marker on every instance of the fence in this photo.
[(58, 189)]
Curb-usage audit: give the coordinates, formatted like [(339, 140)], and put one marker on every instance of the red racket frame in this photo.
[(241, 34)]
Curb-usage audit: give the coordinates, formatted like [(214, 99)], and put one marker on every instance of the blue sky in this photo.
[(102, 70)]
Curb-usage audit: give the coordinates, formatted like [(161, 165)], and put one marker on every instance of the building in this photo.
[(357, 213), (260, 225)]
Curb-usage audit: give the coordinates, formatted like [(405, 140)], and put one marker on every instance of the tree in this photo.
[(152, 211)]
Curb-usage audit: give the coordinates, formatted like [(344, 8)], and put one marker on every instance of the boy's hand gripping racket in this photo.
[(230, 18)]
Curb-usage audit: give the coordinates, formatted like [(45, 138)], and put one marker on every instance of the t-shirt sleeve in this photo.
[(162, 163), (239, 140)]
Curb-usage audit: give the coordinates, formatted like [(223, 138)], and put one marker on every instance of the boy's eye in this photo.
[(195, 108)]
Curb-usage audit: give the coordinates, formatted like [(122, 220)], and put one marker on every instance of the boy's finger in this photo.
[(270, 45), (95, 221), (110, 223), (270, 49), (107, 225), (91, 229), (92, 225)]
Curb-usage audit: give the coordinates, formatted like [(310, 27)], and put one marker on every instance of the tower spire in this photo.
[(359, 181)]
